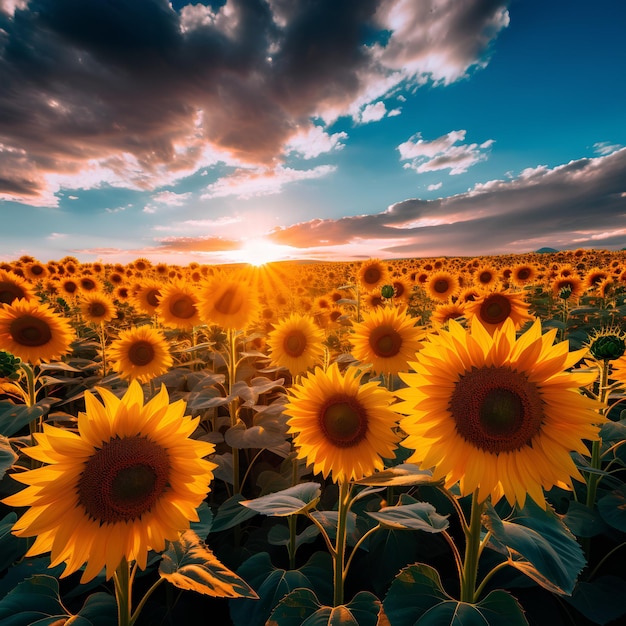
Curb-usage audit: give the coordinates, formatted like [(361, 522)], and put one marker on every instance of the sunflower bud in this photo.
[(607, 347), (387, 291), (9, 365)]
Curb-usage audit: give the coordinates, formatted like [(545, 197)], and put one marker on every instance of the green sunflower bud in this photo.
[(387, 291), (9, 365), (607, 348)]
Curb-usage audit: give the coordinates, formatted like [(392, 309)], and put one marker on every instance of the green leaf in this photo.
[(416, 597), (204, 525), (11, 547), (278, 535), (538, 544), (273, 584), (612, 508), (7, 455), (402, 475), (302, 608), (418, 516), (231, 513), (297, 499), (413, 592), (296, 608), (582, 521), (189, 564), (240, 436), (36, 600), (13, 417), (100, 609), (499, 608), (602, 600)]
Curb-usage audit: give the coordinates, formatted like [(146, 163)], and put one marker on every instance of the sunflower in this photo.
[(342, 427), (35, 271), (296, 343), (443, 313), (129, 480), (147, 297), (69, 288), (227, 301), (387, 338), (498, 413), (140, 353), (372, 274), (494, 308), (34, 332), (97, 307), (178, 305), (524, 274), (441, 285), (486, 276), (14, 287), (573, 284)]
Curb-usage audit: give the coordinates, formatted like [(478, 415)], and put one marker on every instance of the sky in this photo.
[(322, 130)]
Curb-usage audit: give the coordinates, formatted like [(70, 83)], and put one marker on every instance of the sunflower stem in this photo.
[(143, 601), (472, 551), (232, 407), (340, 544), (123, 593), (596, 449), (102, 336)]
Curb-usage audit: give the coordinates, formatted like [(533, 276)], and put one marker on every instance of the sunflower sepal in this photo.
[(536, 542), (417, 590), (189, 564), (291, 501)]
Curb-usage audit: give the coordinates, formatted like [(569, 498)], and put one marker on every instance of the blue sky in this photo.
[(253, 130)]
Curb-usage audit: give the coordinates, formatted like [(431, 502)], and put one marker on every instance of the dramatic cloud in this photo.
[(140, 95), (442, 153), (582, 202)]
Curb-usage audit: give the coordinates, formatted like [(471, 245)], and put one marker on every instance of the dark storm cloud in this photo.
[(579, 204), (137, 93)]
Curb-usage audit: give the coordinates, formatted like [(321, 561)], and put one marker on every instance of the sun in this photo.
[(259, 251)]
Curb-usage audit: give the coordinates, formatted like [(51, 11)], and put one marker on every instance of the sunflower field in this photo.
[(423, 441)]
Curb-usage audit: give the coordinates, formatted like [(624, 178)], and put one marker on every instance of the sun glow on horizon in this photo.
[(260, 251)]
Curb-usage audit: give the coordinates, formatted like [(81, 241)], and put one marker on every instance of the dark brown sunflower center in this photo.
[(496, 409), (141, 353), (10, 292), (29, 330), (441, 285), (124, 479), (343, 421), (152, 297), (88, 284), (485, 277), (230, 302), (372, 275), (70, 286), (495, 309), (295, 343), (523, 273), (183, 307), (385, 341), (97, 309)]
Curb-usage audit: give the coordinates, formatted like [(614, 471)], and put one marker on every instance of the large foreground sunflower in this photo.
[(387, 338), (34, 332), (129, 480), (140, 353), (296, 343), (499, 414), (342, 426)]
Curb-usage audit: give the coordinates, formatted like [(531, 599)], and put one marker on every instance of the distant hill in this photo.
[(546, 251)]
